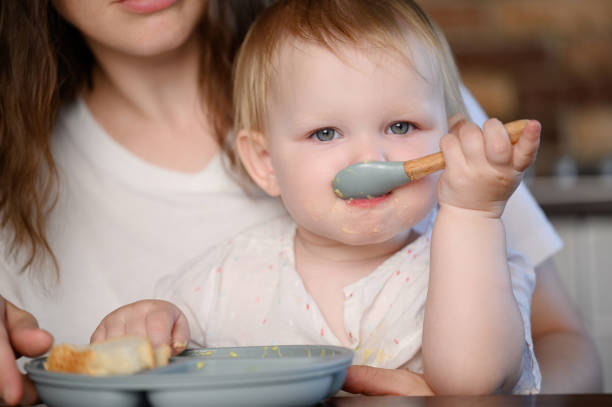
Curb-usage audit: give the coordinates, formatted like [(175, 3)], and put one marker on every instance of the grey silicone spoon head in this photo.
[(369, 179)]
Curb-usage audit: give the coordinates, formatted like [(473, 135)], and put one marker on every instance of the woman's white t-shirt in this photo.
[(121, 223)]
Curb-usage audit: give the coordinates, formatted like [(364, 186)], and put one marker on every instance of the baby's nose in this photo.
[(369, 148)]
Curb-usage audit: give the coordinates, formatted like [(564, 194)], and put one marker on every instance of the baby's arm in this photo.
[(161, 321), (473, 334)]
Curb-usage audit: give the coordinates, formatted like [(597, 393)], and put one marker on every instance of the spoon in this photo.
[(370, 179)]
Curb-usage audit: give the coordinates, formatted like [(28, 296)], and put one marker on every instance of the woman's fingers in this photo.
[(375, 381), (19, 334), (29, 396), (10, 378), (26, 338)]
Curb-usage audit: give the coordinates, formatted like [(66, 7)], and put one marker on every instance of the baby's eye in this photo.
[(325, 134), (401, 127)]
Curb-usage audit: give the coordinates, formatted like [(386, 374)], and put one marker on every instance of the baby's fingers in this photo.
[(124, 321), (180, 334), (162, 322), (166, 324), (111, 326), (497, 143), (526, 148)]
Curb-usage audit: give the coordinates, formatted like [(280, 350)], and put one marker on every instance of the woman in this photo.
[(135, 94)]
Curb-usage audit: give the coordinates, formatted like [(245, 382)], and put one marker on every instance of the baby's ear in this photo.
[(253, 150)]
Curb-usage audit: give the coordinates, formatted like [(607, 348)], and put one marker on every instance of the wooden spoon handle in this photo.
[(423, 166)]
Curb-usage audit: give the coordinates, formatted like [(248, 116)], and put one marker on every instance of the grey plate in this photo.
[(292, 375)]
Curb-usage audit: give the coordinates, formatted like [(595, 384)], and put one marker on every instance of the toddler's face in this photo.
[(326, 113)]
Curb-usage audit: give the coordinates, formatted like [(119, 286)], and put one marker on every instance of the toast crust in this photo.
[(119, 356), (68, 359)]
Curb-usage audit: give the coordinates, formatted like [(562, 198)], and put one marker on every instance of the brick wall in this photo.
[(544, 59)]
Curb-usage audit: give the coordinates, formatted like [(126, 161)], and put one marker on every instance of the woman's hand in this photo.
[(19, 336), (376, 381), (564, 349), (161, 321)]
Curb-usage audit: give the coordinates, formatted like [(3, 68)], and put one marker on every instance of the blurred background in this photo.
[(544, 59), (551, 60)]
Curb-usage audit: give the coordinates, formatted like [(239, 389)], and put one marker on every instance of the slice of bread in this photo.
[(119, 356)]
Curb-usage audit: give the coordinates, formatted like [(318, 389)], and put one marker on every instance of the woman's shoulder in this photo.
[(72, 118), (527, 228)]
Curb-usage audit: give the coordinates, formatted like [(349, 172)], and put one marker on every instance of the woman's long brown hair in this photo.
[(45, 63)]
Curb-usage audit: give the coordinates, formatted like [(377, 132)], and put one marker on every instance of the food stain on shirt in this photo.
[(381, 356), (365, 355)]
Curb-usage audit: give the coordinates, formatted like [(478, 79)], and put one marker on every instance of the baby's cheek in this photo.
[(312, 210), (309, 208), (413, 202)]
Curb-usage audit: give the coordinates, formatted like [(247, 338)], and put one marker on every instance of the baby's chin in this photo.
[(360, 235)]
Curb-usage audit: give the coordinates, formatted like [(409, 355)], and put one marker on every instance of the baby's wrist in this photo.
[(492, 211)]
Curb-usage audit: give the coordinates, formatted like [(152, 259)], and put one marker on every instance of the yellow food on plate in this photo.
[(119, 356)]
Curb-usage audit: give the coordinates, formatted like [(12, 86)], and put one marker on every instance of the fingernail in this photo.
[(179, 345)]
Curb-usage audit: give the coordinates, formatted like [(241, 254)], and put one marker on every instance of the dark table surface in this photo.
[(569, 400), (564, 400)]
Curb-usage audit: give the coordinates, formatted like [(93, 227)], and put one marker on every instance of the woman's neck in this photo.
[(153, 85), (153, 107)]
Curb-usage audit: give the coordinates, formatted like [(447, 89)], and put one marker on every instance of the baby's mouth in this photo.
[(368, 202)]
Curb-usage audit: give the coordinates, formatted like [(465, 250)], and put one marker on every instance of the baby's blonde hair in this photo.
[(379, 24)]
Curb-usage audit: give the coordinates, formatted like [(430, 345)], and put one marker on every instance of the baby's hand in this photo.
[(161, 321), (482, 167)]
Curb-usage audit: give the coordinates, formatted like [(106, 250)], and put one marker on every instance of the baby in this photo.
[(417, 279)]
